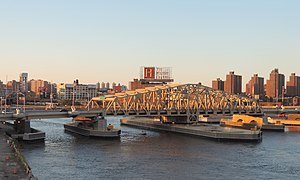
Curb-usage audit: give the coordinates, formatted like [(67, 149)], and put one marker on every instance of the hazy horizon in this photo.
[(108, 41)]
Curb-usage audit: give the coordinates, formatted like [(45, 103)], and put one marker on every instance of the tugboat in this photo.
[(92, 127)]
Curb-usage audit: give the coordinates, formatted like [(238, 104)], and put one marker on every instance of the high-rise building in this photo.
[(40, 87), (13, 86), (233, 83), (23, 82), (218, 84), (275, 84), (2, 89), (113, 85), (103, 85), (2, 85), (293, 86), (98, 86), (107, 85), (255, 87)]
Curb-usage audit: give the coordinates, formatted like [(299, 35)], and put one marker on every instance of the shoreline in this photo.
[(13, 164)]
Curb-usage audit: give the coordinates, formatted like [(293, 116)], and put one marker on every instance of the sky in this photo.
[(100, 40)]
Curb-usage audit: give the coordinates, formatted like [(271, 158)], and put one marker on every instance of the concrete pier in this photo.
[(12, 164), (248, 122), (203, 130), (21, 130)]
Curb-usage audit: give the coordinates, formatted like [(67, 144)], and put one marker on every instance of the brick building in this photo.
[(293, 86), (275, 84), (218, 84), (255, 87), (140, 84), (233, 83), (40, 87), (13, 86)]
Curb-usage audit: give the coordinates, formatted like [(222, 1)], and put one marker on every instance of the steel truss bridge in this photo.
[(189, 100)]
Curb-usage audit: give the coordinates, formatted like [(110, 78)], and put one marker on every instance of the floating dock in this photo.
[(202, 130)]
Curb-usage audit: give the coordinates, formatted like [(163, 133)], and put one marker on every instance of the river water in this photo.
[(159, 155)]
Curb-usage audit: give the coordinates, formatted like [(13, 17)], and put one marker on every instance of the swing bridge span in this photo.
[(173, 100), (185, 100)]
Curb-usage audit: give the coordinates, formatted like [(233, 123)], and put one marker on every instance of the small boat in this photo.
[(144, 133)]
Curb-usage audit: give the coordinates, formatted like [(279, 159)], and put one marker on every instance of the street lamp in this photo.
[(73, 102), (17, 101), (3, 99), (24, 107), (5, 104), (88, 100), (1, 103)]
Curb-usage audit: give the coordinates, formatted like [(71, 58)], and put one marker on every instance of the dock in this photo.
[(249, 122), (273, 127), (290, 125), (202, 130)]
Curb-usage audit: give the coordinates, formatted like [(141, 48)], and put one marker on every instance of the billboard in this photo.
[(149, 72), (163, 73), (156, 73)]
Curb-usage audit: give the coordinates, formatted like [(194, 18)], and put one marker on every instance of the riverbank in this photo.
[(12, 163)]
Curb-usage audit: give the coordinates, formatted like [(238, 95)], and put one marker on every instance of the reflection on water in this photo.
[(159, 156)]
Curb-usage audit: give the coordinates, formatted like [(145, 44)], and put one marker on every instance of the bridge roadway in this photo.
[(280, 110), (29, 115)]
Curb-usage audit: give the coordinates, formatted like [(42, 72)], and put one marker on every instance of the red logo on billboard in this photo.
[(149, 73)]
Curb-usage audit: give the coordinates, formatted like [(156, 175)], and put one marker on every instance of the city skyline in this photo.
[(109, 41), (286, 78)]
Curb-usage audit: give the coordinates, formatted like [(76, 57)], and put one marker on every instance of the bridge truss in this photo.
[(189, 100)]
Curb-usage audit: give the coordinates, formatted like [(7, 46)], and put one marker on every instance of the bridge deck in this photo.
[(54, 114)]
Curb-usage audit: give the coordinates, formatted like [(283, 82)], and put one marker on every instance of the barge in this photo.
[(92, 128)]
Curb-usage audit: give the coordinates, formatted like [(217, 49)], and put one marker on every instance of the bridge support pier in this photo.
[(22, 126), (23, 131)]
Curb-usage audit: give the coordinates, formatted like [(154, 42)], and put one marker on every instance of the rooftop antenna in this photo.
[(5, 104), (51, 95)]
